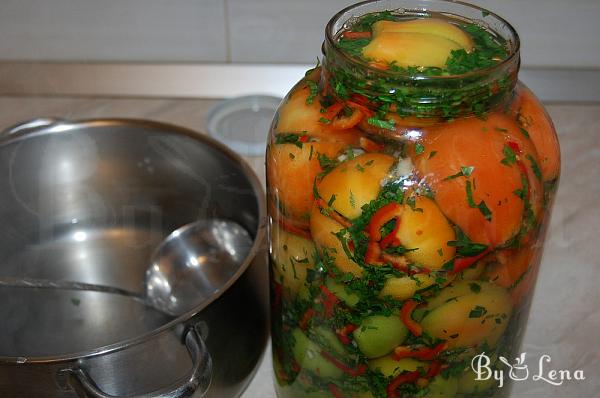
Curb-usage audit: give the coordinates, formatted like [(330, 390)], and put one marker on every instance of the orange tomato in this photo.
[(515, 270), (532, 116), (291, 172), (479, 145)]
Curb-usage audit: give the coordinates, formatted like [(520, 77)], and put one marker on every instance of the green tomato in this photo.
[(468, 383), (468, 316), (378, 335), (330, 341), (390, 367), (308, 355), (440, 387), (342, 292)]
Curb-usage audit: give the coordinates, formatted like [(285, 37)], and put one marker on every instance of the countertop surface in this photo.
[(564, 321)]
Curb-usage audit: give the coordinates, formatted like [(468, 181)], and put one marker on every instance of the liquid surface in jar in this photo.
[(402, 245)]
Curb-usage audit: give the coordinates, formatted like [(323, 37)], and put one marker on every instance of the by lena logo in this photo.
[(519, 370)]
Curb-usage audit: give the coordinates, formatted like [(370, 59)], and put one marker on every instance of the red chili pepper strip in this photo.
[(334, 215), (329, 302), (304, 138), (406, 316), (347, 122), (335, 391), (343, 333), (356, 35), (463, 263), (373, 254), (423, 353), (369, 145), (333, 110), (364, 110), (359, 370), (306, 317), (514, 146), (392, 238), (398, 262), (381, 217), (407, 377), (434, 369), (287, 226), (360, 99)]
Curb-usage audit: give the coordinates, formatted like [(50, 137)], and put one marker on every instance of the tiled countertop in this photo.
[(565, 315)]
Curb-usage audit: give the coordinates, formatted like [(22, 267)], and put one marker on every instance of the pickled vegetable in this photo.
[(410, 179)]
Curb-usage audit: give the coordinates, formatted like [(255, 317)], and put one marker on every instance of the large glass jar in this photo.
[(410, 181)]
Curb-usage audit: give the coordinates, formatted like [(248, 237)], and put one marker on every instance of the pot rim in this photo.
[(57, 126)]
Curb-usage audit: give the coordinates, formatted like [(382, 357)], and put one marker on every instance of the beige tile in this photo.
[(279, 31), (123, 30)]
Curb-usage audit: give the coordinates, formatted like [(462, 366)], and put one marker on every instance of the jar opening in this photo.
[(413, 90)]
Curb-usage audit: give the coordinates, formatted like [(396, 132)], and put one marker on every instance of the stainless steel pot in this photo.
[(88, 201)]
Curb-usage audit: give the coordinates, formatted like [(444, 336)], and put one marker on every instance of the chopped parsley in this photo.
[(477, 312), (510, 157), (290, 138), (465, 171), (382, 124), (314, 90), (535, 167), (419, 148)]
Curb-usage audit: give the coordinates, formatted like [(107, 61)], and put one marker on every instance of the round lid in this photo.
[(243, 123)]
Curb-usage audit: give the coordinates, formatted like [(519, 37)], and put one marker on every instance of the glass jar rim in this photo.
[(514, 40)]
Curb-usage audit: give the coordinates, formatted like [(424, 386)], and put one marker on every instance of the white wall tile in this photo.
[(121, 30), (554, 33), (280, 31)]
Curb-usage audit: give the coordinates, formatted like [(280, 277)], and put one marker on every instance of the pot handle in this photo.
[(197, 380), (30, 125)]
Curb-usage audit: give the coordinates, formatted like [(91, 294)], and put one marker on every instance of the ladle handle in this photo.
[(196, 381)]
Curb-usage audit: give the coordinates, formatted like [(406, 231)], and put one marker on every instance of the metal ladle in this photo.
[(194, 263), (189, 266)]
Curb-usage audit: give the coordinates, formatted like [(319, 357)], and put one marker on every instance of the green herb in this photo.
[(75, 301), (353, 47), (318, 64), (501, 129), (432, 154), (487, 213), (475, 287), (470, 199), (292, 156), (464, 246), (509, 156), (331, 200), (383, 124), (535, 167), (419, 148), (364, 23), (327, 164), (525, 132), (289, 138), (324, 120), (314, 90), (477, 312), (465, 171), (487, 52), (352, 200), (359, 168)]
